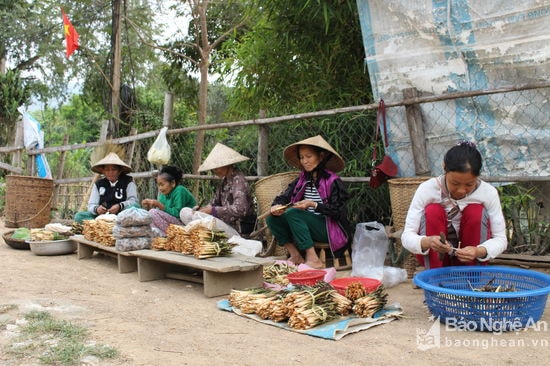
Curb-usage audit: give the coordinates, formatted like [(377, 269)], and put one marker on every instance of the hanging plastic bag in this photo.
[(159, 153), (368, 250)]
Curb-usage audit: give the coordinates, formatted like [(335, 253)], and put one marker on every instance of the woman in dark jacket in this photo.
[(313, 207), (114, 192)]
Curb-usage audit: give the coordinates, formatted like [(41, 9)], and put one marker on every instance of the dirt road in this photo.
[(171, 322)]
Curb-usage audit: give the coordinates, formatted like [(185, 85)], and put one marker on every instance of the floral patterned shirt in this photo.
[(232, 200)]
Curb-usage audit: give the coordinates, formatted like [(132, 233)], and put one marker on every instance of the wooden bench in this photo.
[(219, 274), (86, 248)]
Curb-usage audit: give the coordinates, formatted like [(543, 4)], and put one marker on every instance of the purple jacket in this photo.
[(333, 207)]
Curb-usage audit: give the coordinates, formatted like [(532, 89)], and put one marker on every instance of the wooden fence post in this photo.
[(60, 169), (17, 158), (104, 130), (132, 147), (263, 144), (416, 132)]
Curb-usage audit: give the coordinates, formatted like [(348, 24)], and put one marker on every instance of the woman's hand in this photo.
[(434, 243), (149, 203), (100, 210), (469, 253), (305, 204), (114, 209), (278, 210), (206, 209)]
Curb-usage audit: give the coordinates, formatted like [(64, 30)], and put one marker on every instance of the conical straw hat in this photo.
[(111, 159), (335, 163), (221, 155)]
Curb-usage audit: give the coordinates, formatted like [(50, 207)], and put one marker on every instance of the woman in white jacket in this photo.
[(456, 218)]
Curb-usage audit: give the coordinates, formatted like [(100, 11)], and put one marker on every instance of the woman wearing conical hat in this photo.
[(232, 202), (114, 192), (317, 199)]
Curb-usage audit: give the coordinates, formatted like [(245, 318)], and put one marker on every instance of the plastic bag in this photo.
[(133, 216), (393, 276), (190, 216), (21, 234), (128, 244), (120, 232), (159, 152), (245, 246), (368, 250)]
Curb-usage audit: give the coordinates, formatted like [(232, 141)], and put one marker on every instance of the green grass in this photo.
[(55, 342)]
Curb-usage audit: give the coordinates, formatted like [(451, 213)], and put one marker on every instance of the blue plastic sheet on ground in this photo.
[(333, 330)]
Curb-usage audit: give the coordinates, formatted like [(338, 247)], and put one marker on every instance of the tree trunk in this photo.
[(204, 63), (115, 69)]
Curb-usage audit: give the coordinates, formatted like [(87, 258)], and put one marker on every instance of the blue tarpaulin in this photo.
[(333, 330)]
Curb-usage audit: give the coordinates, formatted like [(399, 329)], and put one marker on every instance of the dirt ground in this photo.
[(170, 322)]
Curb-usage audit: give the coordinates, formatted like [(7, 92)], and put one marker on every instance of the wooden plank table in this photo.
[(219, 274), (86, 248)]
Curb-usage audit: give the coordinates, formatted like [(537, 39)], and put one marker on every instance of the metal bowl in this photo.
[(53, 247), (15, 243)]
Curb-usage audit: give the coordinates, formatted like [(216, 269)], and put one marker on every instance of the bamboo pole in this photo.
[(263, 147), (415, 123), (280, 119), (59, 174)]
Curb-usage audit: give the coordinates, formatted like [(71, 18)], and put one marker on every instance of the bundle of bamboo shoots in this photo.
[(312, 316), (273, 309), (249, 300), (277, 273), (176, 237), (199, 241), (160, 243), (367, 306), (355, 290), (343, 304), (210, 243)]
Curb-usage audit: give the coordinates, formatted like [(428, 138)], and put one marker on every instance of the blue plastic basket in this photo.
[(450, 296)]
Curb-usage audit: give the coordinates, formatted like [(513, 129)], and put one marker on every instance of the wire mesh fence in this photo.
[(510, 128)]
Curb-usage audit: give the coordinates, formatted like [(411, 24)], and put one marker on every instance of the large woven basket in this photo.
[(265, 190), (401, 193), (28, 201)]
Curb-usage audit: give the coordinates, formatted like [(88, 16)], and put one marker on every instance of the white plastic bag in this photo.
[(393, 276), (368, 250), (188, 216), (160, 151), (244, 246)]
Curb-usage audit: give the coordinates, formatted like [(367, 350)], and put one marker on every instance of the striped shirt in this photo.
[(311, 193)]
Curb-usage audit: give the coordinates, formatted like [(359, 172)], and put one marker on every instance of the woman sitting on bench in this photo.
[(313, 207)]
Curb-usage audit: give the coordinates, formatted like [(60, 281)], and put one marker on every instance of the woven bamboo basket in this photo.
[(28, 201), (265, 190), (401, 193)]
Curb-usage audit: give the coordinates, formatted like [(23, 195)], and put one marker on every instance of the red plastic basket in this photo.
[(307, 277), (340, 284)]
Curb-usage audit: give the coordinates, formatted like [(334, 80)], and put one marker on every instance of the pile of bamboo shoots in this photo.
[(199, 241), (100, 231), (305, 307)]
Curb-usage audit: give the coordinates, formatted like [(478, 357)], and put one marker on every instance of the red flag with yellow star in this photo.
[(71, 37)]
